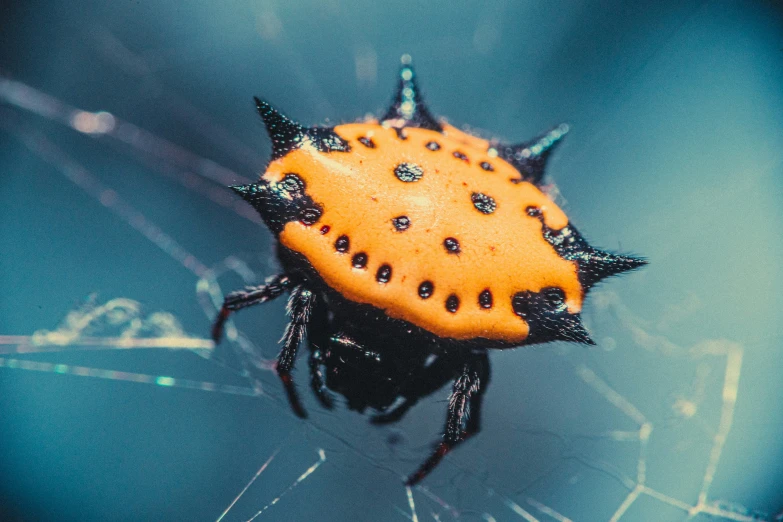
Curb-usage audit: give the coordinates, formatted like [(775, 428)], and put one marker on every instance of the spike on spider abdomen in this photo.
[(593, 265), (530, 157), (408, 108), (288, 135), (597, 265), (547, 315), (247, 192)]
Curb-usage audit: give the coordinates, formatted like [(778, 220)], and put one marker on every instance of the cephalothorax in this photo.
[(408, 231)]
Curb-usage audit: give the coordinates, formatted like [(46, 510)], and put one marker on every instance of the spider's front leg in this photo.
[(316, 360), (253, 295), (300, 307), (464, 415)]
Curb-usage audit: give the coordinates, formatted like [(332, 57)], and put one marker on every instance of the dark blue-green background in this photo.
[(675, 153)]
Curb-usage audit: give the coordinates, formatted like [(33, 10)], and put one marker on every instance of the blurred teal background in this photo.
[(676, 111)]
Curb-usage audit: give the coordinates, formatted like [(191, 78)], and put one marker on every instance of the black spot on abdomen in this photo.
[(342, 244), (425, 289), (485, 299), (452, 304), (483, 203), (384, 273), (451, 245), (309, 215), (401, 223), (367, 142), (359, 260), (408, 172)]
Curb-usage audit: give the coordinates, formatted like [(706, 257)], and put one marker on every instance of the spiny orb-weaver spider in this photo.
[(408, 249)]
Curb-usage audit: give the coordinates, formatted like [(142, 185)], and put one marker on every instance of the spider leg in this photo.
[(464, 403), (252, 295), (300, 307), (346, 341), (317, 379)]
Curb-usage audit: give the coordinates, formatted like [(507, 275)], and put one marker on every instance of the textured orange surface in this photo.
[(504, 251)]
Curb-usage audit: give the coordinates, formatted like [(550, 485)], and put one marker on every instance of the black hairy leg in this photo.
[(316, 360), (300, 307), (272, 288), (464, 414), (347, 341)]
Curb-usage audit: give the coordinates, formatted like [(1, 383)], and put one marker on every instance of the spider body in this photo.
[(409, 248)]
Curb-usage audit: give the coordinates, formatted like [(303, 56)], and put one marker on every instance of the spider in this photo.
[(408, 250)]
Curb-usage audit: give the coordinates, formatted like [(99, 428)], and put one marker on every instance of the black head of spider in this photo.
[(357, 371)]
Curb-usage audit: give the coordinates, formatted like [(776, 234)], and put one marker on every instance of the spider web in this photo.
[(631, 452), (162, 331)]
